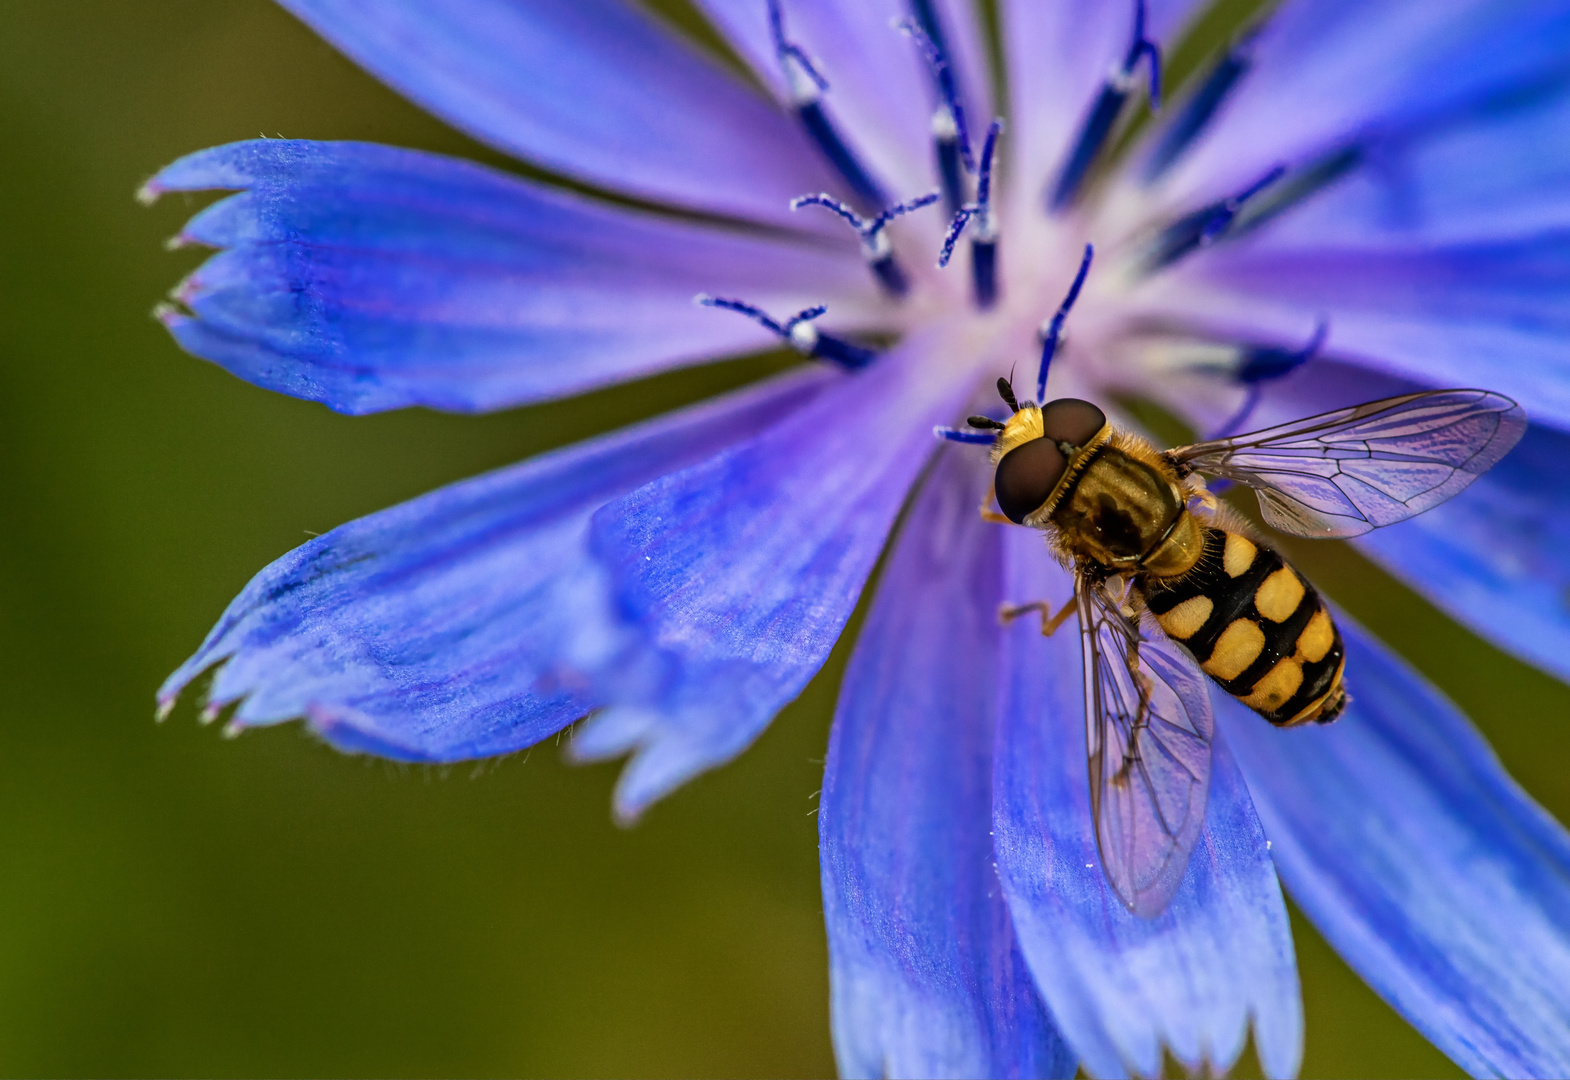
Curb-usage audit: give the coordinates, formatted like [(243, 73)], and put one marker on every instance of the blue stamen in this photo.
[(927, 16), (1204, 226), (807, 86), (1266, 363), (1201, 108), (960, 435), (1103, 115), (875, 244), (950, 135), (798, 332), (1298, 185), (1052, 330), (984, 238), (1263, 364)]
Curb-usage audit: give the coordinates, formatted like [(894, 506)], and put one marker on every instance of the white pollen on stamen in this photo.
[(804, 338), (803, 90), (878, 247), (944, 128)]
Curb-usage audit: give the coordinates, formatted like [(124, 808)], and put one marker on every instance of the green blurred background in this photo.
[(172, 903)]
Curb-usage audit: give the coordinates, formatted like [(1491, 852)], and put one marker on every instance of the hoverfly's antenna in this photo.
[(986, 423), (1052, 330), (1006, 392)]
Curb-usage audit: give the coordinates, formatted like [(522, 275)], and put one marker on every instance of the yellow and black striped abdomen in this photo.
[(1257, 628)]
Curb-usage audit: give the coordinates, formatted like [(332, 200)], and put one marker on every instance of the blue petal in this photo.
[(1436, 877), (592, 88), (743, 569), (1490, 314), (1486, 173), (460, 624), (1329, 72), (880, 91), (1444, 255), (1497, 557), (927, 976), (371, 278), (1121, 987), (1058, 56)]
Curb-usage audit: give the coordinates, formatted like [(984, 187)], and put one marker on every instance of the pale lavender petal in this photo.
[(1058, 56), (1486, 174), (1331, 72), (1120, 987), (1485, 314), (926, 973), (596, 89), (880, 91)]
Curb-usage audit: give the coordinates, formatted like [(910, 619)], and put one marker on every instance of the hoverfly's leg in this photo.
[(1143, 684), (990, 515), (1145, 688), (1007, 613)]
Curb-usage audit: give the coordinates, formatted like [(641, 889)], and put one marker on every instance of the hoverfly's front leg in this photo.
[(1007, 613), (987, 513)]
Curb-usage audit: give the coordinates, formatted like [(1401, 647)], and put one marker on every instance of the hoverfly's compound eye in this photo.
[(1026, 476), (1070, 420)]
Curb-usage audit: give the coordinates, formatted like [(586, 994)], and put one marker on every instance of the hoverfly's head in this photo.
[(1038, 448)]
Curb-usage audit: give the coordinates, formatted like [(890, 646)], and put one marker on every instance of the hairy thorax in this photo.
[(1126, 512)]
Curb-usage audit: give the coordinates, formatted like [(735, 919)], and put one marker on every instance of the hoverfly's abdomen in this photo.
[(1256, 627)]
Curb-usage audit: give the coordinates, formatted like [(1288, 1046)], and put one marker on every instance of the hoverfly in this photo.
[(1170, 586)]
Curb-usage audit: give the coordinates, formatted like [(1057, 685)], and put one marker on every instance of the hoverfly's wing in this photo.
[(1148, 730), (1345, 472)]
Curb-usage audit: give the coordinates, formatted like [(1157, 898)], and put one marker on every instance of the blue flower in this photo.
[(1352, 199)]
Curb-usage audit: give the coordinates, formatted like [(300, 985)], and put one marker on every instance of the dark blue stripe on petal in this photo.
[(1333, 72), (1490, 314), (372, 278), (1404, 840), (467, 622), (742, 571), (1121, 987), (880, 91), (927, 977)]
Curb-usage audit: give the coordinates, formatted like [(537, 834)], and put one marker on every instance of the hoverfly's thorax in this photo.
[(1123, 512)]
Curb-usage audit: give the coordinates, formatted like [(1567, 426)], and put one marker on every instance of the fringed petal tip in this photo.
[(470, 622), (926, 974), (1124, 990), (522, 293)]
